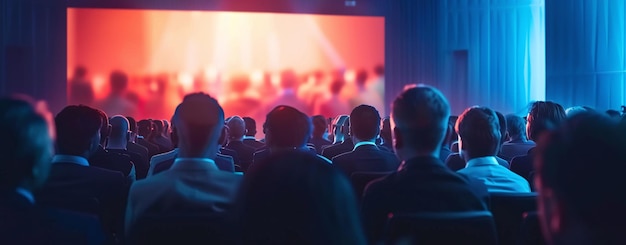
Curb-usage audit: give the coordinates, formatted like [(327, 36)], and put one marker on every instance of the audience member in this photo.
[(117, 102), (118, 141), (79, 88), (26, 148), (144, 130), (296, 198), (385, 135), (72, 180), (518, 145), (423, 183), (249, 139), (158, 139), (366, 156), (543, 117), (330, 104), (103, 158), (343, 140), (235, 142), (132, 146), (319, 129), (579, 176), (198, 122), (479, 141)]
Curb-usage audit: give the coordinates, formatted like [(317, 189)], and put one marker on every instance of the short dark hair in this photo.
[(361, 77), (315, 203), (288, 127), (479, 130), (198, 120), (364, 122), (516, 126), (319, 125), (544, 116), (158, 126), (583, 163), (132, 124), (144, 128), (421, 115), (24, 144), (503, 126), (76, 126), (105, 129), (250, 126), (118, 81)]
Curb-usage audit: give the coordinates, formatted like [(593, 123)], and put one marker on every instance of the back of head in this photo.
[(237, 128), (361, 77), (516, 126), (119, 129), (287, 127), (144, 128), (503, 126), (336, 86), (25, 145), (581, 167), (250, 126), (297, 198), (199, 120), (78, 130), (158, 127), (479, 132), (132, 124), (365, 122), (420, 114), (319, 125), (543, 116), (118, 81), (105, 127)]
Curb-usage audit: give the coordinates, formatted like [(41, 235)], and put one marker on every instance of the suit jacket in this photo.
[(82, 183), (253, 143), (523, 165), (336, 149), (152, 148), (511, 149), (455, 162), (319, 143), (263, 153), (141, 165), (423, 184), (163, 143), (244, 153), (113, 161), (366, 158), (166, 160), (139, 149), (188, 185), (24, 222)]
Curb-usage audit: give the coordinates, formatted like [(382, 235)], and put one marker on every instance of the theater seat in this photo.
[(361, 179), (180, 228), (530, 233), (442, 228), (508, 210)]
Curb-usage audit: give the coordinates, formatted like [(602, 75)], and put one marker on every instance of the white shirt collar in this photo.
[(208, 161), (490, 160), (363, 143), (27, 194), (70, 159)]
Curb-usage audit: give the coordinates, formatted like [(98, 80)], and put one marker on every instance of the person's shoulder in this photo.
[(163, 156)]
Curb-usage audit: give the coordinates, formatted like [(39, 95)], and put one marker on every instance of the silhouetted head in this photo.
[(419, 121), (516, 127), (504, 135), (361, 78), (120, 131), (319, 126), (199, 120), (118, 81), (25, 145), (479, 133), (158, 127), (288, 79), (250, 126), (298, 198), (105, 129), (579, 174), (78, 130), (237, 128), (286, 127), (379, 70), (224, 135), (364, 123), (336, 86), (385, 131), (80, 72), (543, 117), (145, 128)]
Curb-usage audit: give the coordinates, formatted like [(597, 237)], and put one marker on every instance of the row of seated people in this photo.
[(289, 193)]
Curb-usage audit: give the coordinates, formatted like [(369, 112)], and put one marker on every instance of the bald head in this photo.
[(237, 128), (420, 117), (120, 131), (199, 120)]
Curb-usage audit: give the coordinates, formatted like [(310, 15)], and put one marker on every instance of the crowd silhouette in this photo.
[(97, 175)]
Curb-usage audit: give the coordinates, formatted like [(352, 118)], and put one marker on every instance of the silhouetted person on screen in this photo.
[(419, 118), (80, 89), (117, 103), (26, 148), (579, 177), (289, 84), (106, 159)]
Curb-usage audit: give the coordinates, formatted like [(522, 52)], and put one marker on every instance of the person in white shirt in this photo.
[(479, 141)]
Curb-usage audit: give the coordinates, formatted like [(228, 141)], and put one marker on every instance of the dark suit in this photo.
[(366, 158), (319, 143), (152, 148), (81, 183), (253, 143), (423, 184), (141, 166), (455, 162), (260, 155), (163, 143), (244, 153), (223, 162), (523, 165), (139, 149), (22, 222), (112, 161), (336, 149), (511, 149)]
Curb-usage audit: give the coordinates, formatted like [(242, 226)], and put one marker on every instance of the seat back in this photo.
[(179, 228), (508, 210), (530, 233), (474, 227), (360, 180)]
